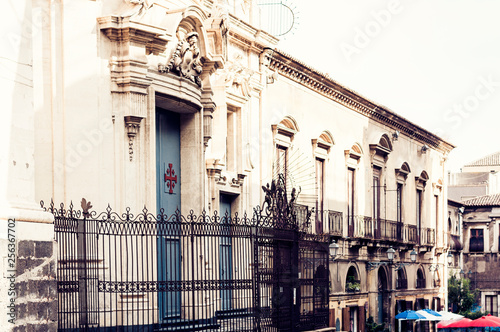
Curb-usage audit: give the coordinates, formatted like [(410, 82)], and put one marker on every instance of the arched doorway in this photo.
[(383, 298)]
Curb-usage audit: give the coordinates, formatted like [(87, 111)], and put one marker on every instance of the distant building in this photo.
[(480, 177), (481, 244)]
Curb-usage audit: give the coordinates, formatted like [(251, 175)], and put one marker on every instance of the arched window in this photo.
[(379, 154), (420, 278), (401, 281), (283, 134), (352, 283)]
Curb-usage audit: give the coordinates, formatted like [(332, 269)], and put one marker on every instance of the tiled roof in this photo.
[(490, 160), (486, 200)]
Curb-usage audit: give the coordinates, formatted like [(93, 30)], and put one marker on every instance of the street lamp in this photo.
[(413, 256), (462, 274), (390, 254), (390, 257), (333, 249)]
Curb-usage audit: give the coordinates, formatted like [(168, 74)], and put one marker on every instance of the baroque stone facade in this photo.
[(243, 112)]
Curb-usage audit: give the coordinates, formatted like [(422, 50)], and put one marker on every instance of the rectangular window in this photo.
[(436, 208), (350, 200), (376, 201), (491, 304), (232, 138), (476, 242), (399, 193), (419, 215), (399, 211), (376, 193), (281, 161), (319, 195)]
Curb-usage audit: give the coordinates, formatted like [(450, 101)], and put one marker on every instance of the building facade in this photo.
[(477, 178), (481, 248), (188, 105)]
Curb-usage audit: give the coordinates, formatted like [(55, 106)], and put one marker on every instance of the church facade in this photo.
[(176, 106)]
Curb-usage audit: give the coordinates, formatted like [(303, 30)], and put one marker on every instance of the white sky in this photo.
[(429, 61)]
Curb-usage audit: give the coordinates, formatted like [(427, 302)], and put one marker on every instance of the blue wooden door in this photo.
[(169, 199), (225, 253)]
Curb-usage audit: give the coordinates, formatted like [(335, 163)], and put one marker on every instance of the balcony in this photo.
[(386, 230), (427, 236), (335, 222), (301, 213), (410, 234), (334, 219), (360, 227)]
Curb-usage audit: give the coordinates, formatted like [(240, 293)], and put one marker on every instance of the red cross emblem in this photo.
[(170, 178)]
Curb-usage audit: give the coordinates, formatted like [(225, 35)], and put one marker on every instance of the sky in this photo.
[(434, 62)]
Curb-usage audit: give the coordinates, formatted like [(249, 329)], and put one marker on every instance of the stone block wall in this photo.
[(36, 286)]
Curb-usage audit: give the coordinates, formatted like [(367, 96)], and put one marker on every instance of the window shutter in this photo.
[(332, 318), (346, 319), (361, 316)]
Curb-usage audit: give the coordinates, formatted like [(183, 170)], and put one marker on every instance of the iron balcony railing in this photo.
[(364, 227), (360, 227), (321, 219), (427, 236), (302, 214), (386, 229), (411, 234), (335, 220)]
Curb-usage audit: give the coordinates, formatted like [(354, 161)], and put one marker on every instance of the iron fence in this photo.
[(157, 272)]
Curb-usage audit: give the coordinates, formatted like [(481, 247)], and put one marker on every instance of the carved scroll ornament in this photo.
[(186, 59)]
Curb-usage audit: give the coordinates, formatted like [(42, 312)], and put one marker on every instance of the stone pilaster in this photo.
[(19, 213)]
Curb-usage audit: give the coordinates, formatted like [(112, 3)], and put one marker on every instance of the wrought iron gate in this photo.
[(123, 272)]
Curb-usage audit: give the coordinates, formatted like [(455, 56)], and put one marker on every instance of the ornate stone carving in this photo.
[(186, 59), (237, 77), (132, 124)]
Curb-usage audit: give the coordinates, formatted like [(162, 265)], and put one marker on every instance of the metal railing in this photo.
[(157, 272), (335, 220), (427, 236)]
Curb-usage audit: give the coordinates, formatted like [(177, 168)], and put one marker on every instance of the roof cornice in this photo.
[(243, 34), (301, 73)]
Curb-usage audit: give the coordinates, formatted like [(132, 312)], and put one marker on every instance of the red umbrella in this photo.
[(493, 318), (464, 322), (444, 323), (483, 322)]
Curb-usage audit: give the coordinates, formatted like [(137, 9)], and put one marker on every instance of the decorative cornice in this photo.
[(248, 37), (299, 72)]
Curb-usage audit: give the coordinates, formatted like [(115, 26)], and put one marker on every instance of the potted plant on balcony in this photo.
[(352, 285)]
